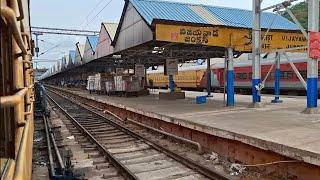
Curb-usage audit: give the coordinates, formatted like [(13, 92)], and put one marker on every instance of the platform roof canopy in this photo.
[(93, 41), (150, 31), (152, 10), (111, 29), (106, 36), (90, 48)]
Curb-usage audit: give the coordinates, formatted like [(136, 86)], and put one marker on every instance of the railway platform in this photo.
[(281, 128)]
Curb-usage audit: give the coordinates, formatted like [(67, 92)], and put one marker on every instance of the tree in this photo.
[(300, 10)]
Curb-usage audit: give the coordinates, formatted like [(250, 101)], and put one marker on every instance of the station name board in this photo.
[(239, 39)]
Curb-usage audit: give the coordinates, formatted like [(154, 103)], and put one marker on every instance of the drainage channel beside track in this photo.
[(132, 155)]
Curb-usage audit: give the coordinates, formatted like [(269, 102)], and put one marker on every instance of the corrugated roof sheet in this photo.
[(80, 48), (93, 40), (111, 29), (205, 14), (72, 55)]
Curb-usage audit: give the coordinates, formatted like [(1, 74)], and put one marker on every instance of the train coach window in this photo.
[(289, 75), (241, 76), (244, 75), (286, 75)]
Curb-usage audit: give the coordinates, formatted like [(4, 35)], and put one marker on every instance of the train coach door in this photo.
[(221, 77)]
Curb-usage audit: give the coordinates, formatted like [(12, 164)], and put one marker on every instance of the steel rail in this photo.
[(118, 165), (184, 160), (49, 147), (198, 145), (56, 149), (50, 139), (184, 140)]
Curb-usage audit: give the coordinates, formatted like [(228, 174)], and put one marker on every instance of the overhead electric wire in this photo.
[(41, 40), (50, 49), (86, 18), (46, 42), (98, 13)]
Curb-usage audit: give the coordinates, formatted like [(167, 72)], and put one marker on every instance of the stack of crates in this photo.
[(134, 84), (109, 85), (120, 83), (128, 84), (104, 83), (90, 83), (97, 83)]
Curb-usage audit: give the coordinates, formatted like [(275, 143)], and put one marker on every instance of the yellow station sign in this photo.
[(239, 39)]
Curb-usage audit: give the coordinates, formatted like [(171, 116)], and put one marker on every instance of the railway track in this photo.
[(133, 156)]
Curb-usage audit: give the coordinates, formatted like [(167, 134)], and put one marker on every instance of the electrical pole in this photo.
[(312, 69), (256, 49), (37, 42)]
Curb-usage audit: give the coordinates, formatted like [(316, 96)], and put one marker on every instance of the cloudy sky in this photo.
[(88, 15)]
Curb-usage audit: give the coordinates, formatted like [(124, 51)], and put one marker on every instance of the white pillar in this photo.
[(256, 41), (230, 79), (312, 69)]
